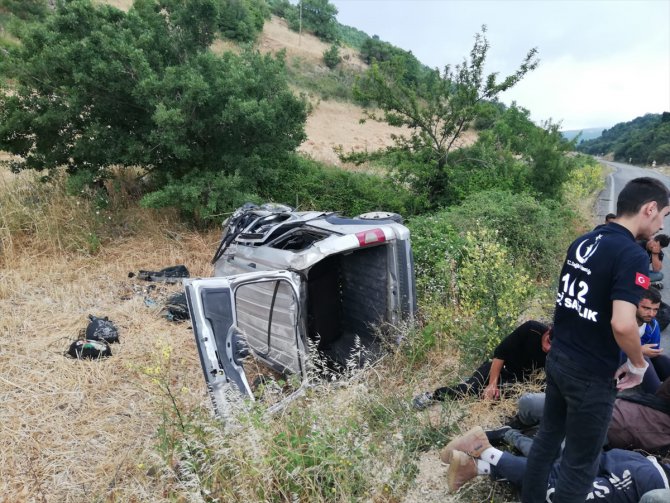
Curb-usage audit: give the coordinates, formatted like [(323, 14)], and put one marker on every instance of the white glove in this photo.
[(632, 375)]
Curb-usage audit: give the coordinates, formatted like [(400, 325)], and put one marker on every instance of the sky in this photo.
[(601, 61)]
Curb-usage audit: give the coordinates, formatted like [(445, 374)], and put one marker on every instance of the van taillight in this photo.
[(370, 237)]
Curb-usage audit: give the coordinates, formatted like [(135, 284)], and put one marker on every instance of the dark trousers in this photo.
[(578, 407), (474, 384), (622, 476), (658, 371)]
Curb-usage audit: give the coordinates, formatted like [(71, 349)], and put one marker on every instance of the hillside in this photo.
[(644, 140), (322, 137), (586, 134)]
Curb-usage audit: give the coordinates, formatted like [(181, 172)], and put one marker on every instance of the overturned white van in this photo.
[(286, 280)]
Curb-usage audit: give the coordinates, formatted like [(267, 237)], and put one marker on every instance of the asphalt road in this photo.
[(607, 204)]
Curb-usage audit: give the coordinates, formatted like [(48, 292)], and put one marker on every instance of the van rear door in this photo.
[(234, 316)]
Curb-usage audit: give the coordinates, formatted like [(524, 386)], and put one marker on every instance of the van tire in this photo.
[(381, 215)]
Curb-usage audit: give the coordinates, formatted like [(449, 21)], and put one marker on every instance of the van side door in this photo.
[(255, 314)]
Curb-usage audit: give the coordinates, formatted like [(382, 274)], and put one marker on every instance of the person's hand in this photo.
[(632, 375), (650, 350), (491, 392), (654, 246)]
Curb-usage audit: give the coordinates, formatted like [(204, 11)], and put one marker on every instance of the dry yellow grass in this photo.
[(79, 431)]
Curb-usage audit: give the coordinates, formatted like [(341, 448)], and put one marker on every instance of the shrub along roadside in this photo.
[(307, 184), (292, 180)]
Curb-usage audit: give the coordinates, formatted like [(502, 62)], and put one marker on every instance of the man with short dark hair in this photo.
[(653, 247), (600, 285), (650, 339), (514, 360)]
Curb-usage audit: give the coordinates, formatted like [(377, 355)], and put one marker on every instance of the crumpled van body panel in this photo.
[(299, 279)]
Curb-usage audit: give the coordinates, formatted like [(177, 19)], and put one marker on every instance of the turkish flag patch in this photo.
[(642, 280)]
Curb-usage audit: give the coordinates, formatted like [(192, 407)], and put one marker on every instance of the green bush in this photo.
[(202, 197), (307, 75), (586, 179), (484, 166), (493, 292), (353, 37), (307, 184), (242, 20), (536, 233), (471, 283), (331, 57)]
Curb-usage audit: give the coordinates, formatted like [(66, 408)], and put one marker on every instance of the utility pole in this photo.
[(300, 29)]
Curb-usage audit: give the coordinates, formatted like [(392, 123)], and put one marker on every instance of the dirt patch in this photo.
[(278, 36), (119, 4), (336, 124), (431, 482)]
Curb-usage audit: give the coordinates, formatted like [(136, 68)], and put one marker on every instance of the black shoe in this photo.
[(658, 285), (515, 423), (497, 436), (423, 400)]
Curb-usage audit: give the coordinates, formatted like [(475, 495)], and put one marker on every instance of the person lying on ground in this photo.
[(656, 496), (639, 420), (514, 360), (622, 476)]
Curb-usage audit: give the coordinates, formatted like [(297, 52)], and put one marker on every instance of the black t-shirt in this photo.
[(601, 266), (522, 349)]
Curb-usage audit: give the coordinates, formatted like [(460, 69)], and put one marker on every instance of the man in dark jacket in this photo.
[(514, 360)]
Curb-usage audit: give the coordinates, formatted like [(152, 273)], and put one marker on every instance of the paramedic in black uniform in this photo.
[(603, 276)]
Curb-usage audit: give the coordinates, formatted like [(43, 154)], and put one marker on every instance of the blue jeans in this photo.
[(578, 406), (531, 407), (655, 277), (656, 496)]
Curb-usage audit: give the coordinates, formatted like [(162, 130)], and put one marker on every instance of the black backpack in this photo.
[(101, 329), (92, 350), (663, 316)]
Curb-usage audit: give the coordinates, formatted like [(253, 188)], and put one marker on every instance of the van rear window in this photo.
[(298, 239)]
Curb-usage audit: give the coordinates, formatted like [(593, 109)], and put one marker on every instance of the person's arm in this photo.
[(652, 348), (491, 392), (656, 263), (627, 336), (655, 251)]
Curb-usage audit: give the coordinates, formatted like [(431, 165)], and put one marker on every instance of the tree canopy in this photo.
[(436, 108), (94, 87), (642, 141)]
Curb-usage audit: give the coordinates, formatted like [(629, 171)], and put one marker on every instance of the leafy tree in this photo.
[(27, 10), (243, 20), (542, 150), (281, 8), (317, 16), (550, 166), (331, 56), (95, 87), (374, 49), (352, 37), (437, 109)]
